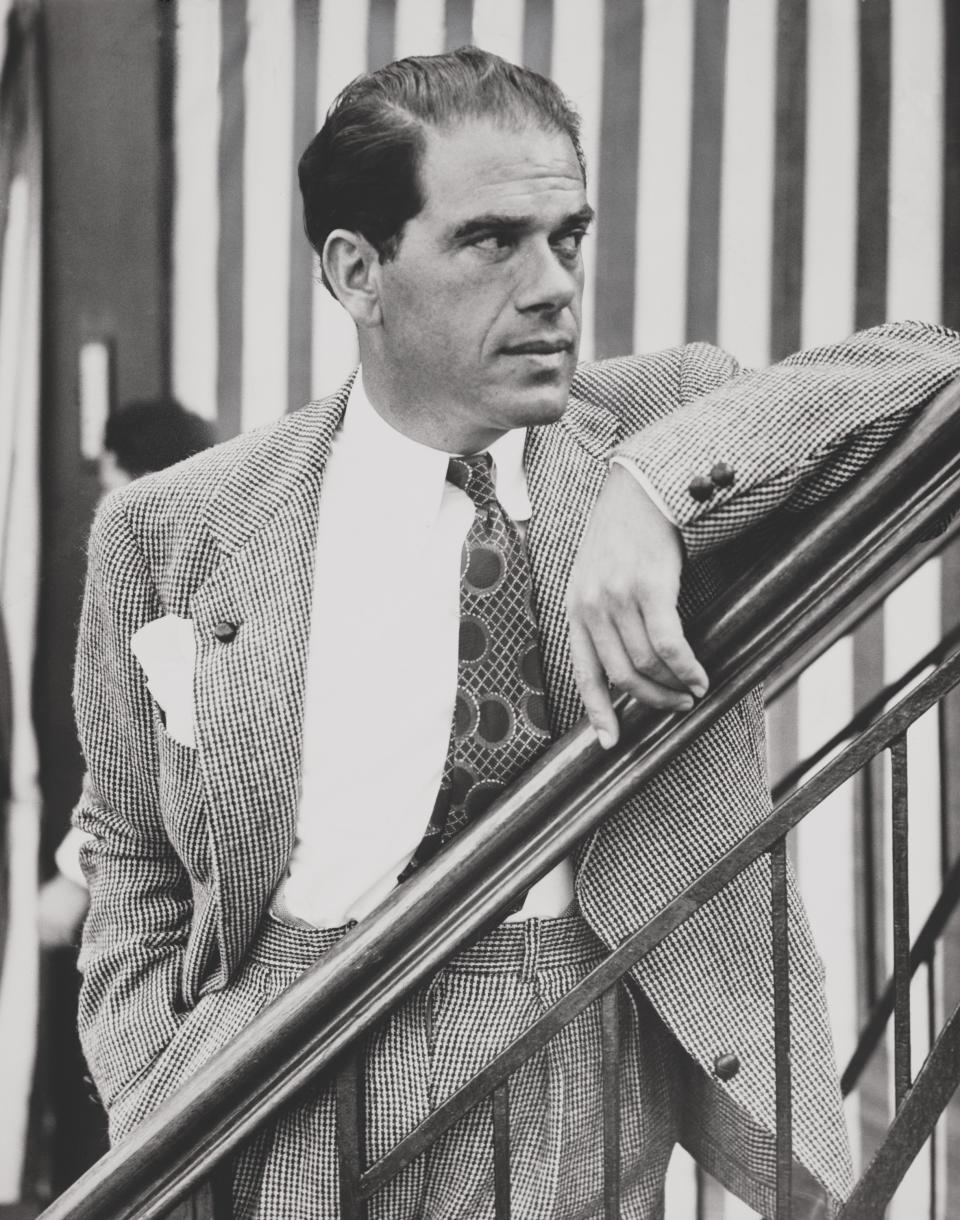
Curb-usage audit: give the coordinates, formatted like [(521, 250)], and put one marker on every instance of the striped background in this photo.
[(767, 176)]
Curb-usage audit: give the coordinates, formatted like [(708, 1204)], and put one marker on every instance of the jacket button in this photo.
[(726, 1066), (225, 632), (723, 475), (700, 488)]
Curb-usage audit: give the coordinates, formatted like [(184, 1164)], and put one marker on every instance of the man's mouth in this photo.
[(539, 347)]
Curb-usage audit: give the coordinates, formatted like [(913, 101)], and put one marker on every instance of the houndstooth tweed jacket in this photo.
[(189, 844)]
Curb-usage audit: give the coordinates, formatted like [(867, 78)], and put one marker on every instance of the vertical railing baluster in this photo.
[(349, 1138), (610, 1034), (501, 1151), (901, 921), (931, 1038), (781, 1027)]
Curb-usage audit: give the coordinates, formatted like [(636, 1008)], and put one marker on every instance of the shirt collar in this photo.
[(414, 475)]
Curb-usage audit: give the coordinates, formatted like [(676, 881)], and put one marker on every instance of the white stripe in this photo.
[(342, 56), (912, 625), (196, 218), (666, 98), (577, 68), (916, 150), (94, 384), (825, 839), (343, 48), (268, 75), (825, 851), (498, 27), (830, 204), (19, 455), (746, 206), (419, 28)]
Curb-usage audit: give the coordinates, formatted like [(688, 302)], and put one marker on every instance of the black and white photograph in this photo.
[(479, 609)]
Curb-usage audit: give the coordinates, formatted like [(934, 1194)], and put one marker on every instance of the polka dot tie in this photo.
[(500, 722)]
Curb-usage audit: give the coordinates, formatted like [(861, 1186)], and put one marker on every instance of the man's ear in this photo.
[(352, 266)]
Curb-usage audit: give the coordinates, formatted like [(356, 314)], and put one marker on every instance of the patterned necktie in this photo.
[(500, 722)]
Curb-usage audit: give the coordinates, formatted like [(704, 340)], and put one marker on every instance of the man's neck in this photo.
[(416, 421)]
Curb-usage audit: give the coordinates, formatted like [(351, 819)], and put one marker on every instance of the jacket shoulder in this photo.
[(185, 489), (643, 387), (166, 514)]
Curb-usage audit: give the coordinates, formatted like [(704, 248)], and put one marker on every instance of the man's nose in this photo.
[(547, 282)]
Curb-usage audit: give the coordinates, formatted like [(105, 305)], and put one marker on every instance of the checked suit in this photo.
[(189, 844)]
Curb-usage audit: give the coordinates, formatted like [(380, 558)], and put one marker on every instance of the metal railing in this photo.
[(315, 1026)]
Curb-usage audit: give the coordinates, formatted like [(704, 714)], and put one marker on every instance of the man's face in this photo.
[(481, 305)]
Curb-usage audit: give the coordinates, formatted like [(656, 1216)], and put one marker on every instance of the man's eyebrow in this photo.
[(496, 222)]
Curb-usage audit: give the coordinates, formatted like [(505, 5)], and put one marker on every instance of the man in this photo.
[(305, 581)]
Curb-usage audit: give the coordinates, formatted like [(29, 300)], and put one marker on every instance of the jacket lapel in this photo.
[(249, 690), (566, 465)]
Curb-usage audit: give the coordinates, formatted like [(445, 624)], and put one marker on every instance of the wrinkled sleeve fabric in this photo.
[(788, 435), (140, 906)]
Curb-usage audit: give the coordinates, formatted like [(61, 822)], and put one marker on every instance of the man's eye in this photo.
[(569, 244), (493, 242)]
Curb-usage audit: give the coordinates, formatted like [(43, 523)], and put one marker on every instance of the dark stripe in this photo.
[(617, 178), (706, 158), (233, 35), (949, 734), (166, 93), (870, 307), (381, 33), (305, 50), (788, 178), (780, 932), (951, 165), (950, 570), (538, 35), (458, 24), (901, 920), (874, 163)]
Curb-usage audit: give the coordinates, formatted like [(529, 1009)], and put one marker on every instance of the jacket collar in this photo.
[(280, 465)]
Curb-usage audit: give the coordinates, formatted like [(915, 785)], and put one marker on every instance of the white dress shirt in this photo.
[(382, 665)]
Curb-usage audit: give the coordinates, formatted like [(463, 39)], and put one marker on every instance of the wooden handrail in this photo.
[(450, 902)]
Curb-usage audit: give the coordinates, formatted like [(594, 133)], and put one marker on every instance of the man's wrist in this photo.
[(655, 497)]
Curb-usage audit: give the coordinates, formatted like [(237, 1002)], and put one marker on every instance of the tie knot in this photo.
[(474, 475)]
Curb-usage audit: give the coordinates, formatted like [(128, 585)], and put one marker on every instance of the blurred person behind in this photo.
[(140, 437)]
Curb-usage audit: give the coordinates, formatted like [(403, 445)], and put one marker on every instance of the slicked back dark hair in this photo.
[(361, 170)]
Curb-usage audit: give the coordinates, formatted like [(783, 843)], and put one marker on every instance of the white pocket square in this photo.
[(166, 649)]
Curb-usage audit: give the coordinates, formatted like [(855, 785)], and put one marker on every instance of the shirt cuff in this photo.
[(647, 486), (67, 855)]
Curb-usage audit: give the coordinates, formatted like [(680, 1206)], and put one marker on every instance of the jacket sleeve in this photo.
[(788, 436), (140, 906)]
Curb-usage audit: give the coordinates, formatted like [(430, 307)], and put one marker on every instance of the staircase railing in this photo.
[(784, 604)]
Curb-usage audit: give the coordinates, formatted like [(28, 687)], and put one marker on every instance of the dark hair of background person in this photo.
[(152, 434), (361, 170)]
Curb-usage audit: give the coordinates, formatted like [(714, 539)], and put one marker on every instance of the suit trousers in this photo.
[(428, 1047)]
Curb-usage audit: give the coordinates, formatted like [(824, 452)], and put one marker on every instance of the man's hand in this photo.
[(63, 907), (622, 606)]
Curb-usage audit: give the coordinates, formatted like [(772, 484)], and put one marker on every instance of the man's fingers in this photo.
[(645, 687), (636, 645), (664, 631), (592, 684), (599, 658)]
